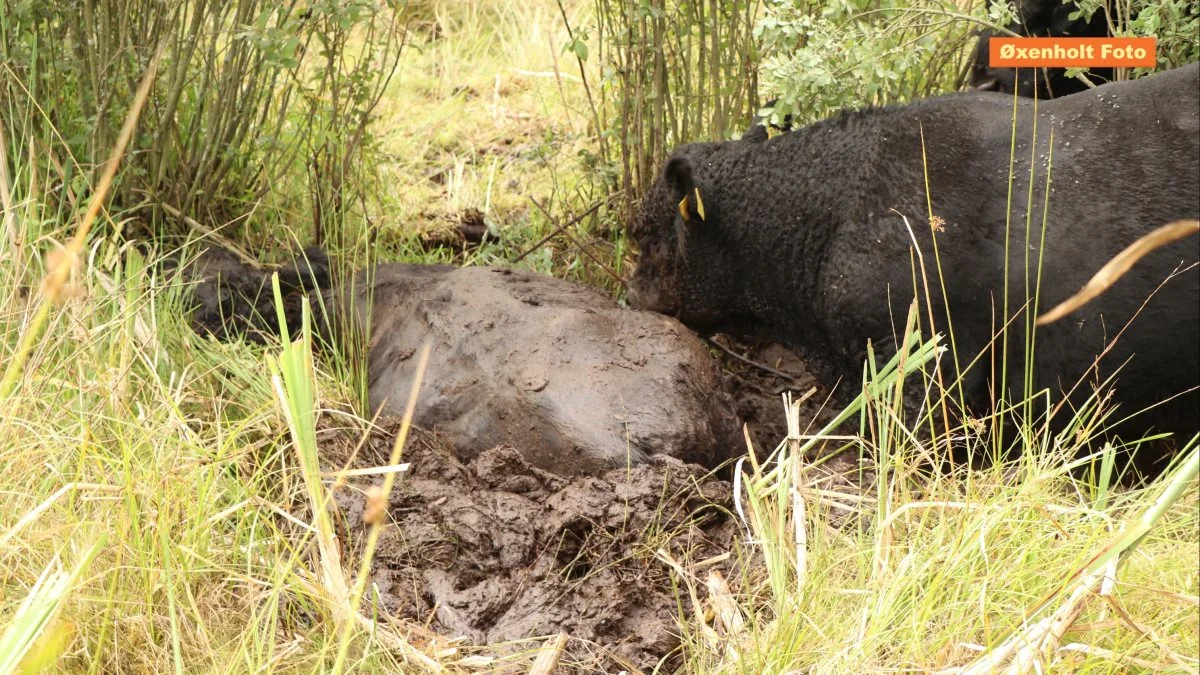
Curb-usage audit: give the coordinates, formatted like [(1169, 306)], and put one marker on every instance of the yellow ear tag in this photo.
[(699, 204), (683, 208)]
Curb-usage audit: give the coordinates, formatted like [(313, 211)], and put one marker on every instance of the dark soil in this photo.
[(467, 233), (501, 553), (520, 516), (758, 400)]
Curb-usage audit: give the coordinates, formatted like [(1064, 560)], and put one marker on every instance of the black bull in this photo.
[(808, 238)]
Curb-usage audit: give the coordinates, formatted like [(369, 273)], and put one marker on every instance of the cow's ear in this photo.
[(687, 193)]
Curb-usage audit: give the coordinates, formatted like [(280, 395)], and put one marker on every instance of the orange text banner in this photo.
[(1111, 52)]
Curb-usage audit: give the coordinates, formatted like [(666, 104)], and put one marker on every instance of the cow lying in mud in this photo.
[(577, 384), (1040, 18), (807, 238)]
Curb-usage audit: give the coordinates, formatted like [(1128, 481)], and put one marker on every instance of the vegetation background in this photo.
[(151, 505)]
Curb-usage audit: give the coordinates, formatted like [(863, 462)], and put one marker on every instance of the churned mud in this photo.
[(757, 374), (503, 554), (560, 443)]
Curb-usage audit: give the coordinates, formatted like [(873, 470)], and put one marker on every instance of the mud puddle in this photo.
[(757, 374)]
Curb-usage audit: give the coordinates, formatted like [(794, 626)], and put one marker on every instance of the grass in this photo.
[(487, 113), (160, 512), (930, 571)]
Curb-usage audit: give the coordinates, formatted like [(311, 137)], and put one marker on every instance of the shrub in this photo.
[(820, 57), (673, 71), (249, 93)]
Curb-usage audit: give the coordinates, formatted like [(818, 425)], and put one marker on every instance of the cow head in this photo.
[(686, 266)]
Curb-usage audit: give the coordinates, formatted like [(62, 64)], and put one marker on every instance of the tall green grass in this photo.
[(160, 499), (153, 516), (1019, 567), (260, 115)]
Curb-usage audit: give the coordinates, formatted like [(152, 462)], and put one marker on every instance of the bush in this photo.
[(249, 93), (673, 71), (823, 56), (820, 57), (1176, 24)]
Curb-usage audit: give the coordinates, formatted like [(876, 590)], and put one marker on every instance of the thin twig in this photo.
[(209, 232), (6, 204), (750, 362), (557, 230), (584, 249), (583, 78)]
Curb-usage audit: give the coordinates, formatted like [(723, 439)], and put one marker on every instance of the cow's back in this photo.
[(808, 236), (1089, 174)]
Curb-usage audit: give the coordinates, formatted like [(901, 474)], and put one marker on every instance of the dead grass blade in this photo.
[(60, 270), (1119, 265), (549, 655), (727, 617), (6, 204), (375, 513), (51, 501)]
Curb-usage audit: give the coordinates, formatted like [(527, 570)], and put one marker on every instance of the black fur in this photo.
[(233, 299), (803, 239)]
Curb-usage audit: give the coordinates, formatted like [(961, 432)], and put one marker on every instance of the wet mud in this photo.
[(502, 554), (560, 441), (557, 370)]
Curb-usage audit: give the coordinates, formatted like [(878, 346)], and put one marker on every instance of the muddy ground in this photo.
[(757, 374), (501, 534), (555, 369), (503, 554)]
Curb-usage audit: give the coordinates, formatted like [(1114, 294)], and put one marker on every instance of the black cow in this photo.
[(1040, 18), (807, 238)]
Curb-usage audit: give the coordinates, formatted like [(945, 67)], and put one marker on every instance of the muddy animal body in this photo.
[(550, 367), (807, 238), (578, 384)]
